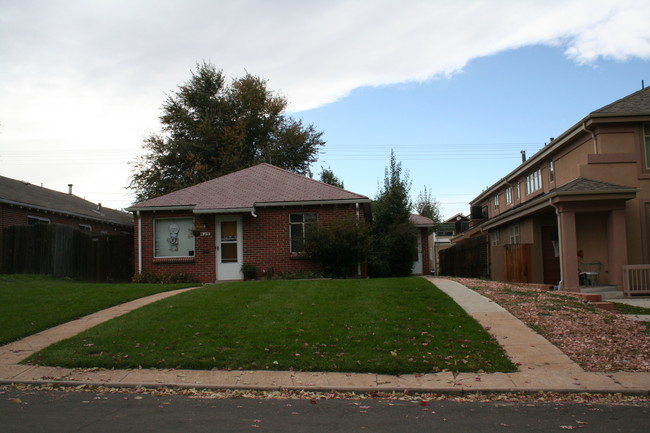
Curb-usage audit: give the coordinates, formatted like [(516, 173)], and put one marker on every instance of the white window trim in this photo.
[(508, 195), (494, 238), (515, 238), (534, 181), (182, 232), (38, 220), (302, 223)]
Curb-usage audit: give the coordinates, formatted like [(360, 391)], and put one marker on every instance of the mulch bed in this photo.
[(597, 340)]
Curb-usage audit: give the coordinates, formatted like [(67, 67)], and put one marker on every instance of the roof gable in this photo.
[(20, 193), (635, 103), (260, 185), (420, 220)]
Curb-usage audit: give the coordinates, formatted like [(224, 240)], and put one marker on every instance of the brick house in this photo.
[(578, 211), (24, 203), (255, 216)]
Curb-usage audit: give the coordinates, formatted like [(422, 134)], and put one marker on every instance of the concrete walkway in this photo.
[(542, 367)]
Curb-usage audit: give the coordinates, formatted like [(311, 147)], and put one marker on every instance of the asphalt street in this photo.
[(56, 411)]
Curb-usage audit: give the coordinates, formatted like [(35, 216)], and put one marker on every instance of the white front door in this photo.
[(229, 247), (417, 265)]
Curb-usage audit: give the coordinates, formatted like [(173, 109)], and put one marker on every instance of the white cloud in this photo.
[(80, 74)]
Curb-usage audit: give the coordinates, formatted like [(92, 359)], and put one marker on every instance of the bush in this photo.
[(394, 251), (338, 247), (167, 278)]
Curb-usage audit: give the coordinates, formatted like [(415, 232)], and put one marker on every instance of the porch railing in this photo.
[(636, 280)]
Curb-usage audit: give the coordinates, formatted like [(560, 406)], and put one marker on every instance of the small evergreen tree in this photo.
[(394, 236)]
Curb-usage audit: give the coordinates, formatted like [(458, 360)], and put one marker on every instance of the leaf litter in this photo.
[(314, 397), (597, 340)]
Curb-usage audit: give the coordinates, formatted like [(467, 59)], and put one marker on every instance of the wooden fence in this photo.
[(467, 259), (65, 251), (518, 264)]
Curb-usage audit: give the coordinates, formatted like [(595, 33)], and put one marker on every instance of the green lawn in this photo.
[(390, 326), (32, 303)]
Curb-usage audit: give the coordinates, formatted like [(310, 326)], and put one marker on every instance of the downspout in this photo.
[(139, 242), (559, 236), (356, 206), (593, 136), (253, 213)]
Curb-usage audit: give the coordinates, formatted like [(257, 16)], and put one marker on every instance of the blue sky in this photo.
[(458, 135), (456, 89)]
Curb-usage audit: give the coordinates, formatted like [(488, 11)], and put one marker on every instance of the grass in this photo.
[(389, 326), (32, 303), (630, 309)]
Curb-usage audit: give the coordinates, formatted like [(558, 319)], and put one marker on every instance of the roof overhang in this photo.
[(556, 198), (65, 212), (159, 208), (194, 209)]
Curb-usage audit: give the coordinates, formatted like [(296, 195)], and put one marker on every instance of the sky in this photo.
[(456, 89)]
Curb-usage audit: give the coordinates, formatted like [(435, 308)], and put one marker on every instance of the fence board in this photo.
[(64, 251), (518, 263), (467, 259)]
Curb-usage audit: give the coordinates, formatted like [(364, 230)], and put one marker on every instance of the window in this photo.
[(646, 129), (496, 201), (514, 234), (173, 237), (31, 220), (509, 195), (86, 227), (534, 181), (551, 172), (297, 223), (494, 238), (518, 190)]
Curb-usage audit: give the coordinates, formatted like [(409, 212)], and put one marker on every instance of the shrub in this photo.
[(166, 278), (338, 247)]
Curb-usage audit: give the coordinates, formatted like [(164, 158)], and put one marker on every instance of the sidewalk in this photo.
[(542, 367)]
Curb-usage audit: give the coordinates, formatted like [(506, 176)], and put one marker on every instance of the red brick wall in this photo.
[(266, 242)]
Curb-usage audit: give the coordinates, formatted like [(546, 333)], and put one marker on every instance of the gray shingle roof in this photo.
[(635, 103), (420, 221), (25, 194), (260, 185), (581, 184)]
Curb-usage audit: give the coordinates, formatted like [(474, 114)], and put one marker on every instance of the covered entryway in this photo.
[(591, 217)]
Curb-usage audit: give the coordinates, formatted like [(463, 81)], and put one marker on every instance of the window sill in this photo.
[(173, 260)]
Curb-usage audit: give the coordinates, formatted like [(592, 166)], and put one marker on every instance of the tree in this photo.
[(394, 236), (427, 206), (211, 128), (327, 176)]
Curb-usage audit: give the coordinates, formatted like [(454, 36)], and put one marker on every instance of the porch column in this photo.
[(568, 250), (617, 241)]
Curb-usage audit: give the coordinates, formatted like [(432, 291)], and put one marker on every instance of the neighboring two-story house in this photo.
[(578, 211)]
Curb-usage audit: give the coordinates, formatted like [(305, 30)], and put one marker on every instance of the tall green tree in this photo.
[(211, 127), (394, 236), (327, 176)]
